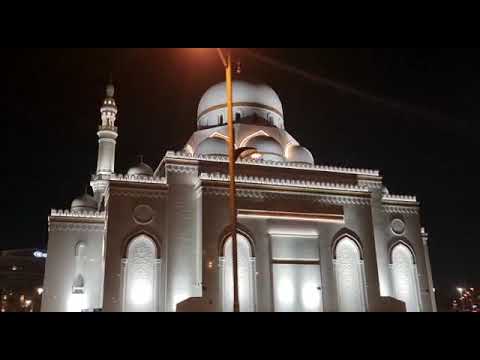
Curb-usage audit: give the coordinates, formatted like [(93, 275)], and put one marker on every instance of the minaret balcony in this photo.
[(108, 128)]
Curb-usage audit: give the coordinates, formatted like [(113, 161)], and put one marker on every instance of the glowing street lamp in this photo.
[(39, 291), (460, 290), (233, 155), (227, 63)]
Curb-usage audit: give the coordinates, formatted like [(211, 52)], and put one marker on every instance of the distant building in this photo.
[(21, 280), (311, 238)]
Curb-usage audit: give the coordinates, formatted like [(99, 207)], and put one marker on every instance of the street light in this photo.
[(233, 155), (227, 63)]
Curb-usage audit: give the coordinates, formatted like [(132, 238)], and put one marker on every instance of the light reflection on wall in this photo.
[(77, 303), (141, 292), (405, 278), (246, 278), (310, 298), (297, 288), (140, 275), (286, 292)]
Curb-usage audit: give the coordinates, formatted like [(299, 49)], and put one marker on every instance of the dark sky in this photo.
[(50, 112)]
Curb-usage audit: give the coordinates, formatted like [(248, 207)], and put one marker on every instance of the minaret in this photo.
[(107, 140)]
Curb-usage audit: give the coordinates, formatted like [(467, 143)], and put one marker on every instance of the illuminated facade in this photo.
[(311, 238)]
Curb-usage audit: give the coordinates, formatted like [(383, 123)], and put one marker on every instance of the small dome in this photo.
[(212, 146), (267, 147), (141, 169), (84, 203), (299, 154)]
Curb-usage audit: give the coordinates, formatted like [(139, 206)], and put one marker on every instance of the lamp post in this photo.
[(227, 62)]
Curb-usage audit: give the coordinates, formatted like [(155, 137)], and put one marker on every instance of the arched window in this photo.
[(140, 276), (404, 274), (349, 275), (220, 120), (77, 300), (246, 275)]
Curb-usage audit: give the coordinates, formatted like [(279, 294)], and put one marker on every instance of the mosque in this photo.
[(311, 238)]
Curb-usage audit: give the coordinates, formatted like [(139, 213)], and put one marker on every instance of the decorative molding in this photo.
[(406, 210), (141, 193), (296, 216), (182, 169), (241, 104), (266, 195), (143, 214), (139, 179), (399, 199), (371, 184), (285, 165), (305, 184), (75, 227), (397, 227), (78, 214)]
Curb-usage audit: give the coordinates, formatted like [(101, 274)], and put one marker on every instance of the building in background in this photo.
[(468, 300), (21, 280), (311, 238)]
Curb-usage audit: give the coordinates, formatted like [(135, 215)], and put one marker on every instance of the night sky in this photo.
[(50, 101)]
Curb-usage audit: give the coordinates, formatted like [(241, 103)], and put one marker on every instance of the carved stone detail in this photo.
[(404, 210), (143, 214), (75, 227), (149, 194), (182, 169), (269, 195), (288, 165), (398, 226)]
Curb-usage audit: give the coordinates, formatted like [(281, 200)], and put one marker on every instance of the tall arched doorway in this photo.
[(246, 275), (140, 276), (404, 274), (349, 276)]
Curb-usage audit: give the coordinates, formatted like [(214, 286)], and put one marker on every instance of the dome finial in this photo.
[(140, 157), (110, 90)]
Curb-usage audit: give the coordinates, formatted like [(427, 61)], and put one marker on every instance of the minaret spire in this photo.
[(107, 141)]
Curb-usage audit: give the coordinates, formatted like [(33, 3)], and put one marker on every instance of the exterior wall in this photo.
[(314, 242), (64, 236), (359, 220), (184, 278), (187, 216), (132, 209), (382, 236), (413, 236)]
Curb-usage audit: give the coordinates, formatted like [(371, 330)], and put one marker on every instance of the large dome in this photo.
[(246, 98)]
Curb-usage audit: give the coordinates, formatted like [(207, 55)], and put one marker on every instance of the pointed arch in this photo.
[(80, 248), (140, 274), (251, 136), (242, 230), (395, 242), (217, 135), (404, 275), (349, 274), (347, 233), (152, 236), (246, 269)]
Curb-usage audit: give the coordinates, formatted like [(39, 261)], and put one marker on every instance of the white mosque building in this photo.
[(310, 238)]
